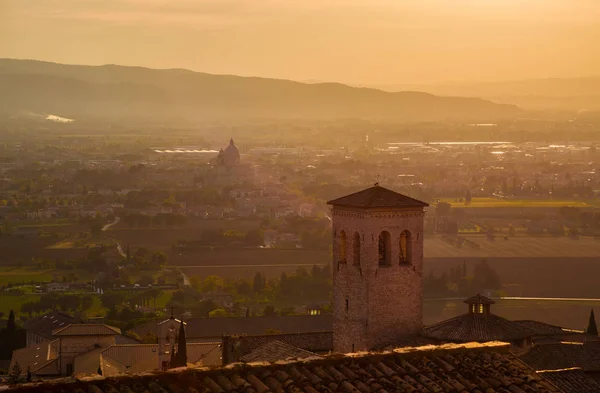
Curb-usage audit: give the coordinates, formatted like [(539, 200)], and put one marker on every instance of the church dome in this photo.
[(231, 154)]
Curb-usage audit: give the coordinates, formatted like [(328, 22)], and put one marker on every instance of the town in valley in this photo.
[(268, 220)]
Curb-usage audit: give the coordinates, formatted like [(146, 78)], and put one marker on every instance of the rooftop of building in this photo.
[(44, 325), (238, 347), (216, 327), (564, 355), (479, 324), (36, 357), (472, 367), (572, 380), (87, 329), (477, 327), (42, 359), (275, 351), (546, 329), (377, 197)]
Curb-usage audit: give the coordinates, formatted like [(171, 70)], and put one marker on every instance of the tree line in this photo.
[(458, 281), (257, 296)]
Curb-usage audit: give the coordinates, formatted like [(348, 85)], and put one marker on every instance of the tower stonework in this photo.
[(377, 268)]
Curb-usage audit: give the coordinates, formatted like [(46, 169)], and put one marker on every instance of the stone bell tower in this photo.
[(377, 268)]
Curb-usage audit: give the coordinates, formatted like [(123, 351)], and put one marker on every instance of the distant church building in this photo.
[(227, 168), (377, 268), (168, 340), (229, 157)]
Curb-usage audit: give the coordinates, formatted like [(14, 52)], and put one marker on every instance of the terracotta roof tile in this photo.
[(209, 354), (85, 329), (35, 356), (377, 197), (450, 368), (276, 350), (128, 355), (544, 329), (215, 327), (44, 325), (564, 355), (572, 381), (125, 340), (413, 341), (118, 359), (87, 363), (477, 327), (238, 346), (310, 341)]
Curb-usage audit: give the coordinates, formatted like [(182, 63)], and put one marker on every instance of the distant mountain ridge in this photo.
[(76, 91), (551, 93)]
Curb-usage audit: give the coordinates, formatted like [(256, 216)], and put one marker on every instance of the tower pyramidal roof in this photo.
[(377, 197)]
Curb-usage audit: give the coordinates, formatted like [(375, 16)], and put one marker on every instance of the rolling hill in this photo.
[(571, 94), (111, 91)]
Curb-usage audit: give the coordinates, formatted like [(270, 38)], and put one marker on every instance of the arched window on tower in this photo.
[(405, 248), (342, 247), (356, 249), (385, 249)]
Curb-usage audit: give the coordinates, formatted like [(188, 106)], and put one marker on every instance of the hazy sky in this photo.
[(353, 41)]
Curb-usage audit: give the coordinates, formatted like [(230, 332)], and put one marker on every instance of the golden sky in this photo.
[(351, 41)]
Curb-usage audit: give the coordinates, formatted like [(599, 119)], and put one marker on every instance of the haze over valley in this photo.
[(134, 92), (322, 196), (556, 94)]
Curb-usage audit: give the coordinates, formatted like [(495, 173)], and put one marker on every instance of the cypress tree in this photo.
[(15, 374), (11, 326), (181, 358), (259, 283), (592, 329)]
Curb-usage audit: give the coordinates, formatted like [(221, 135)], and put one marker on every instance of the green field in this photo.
[(97, 310), (28, 274), (494, 202), (164, 238), (161, 301), (18, 275), (86, 242), (14, 302), (45, 225), (525, 247)]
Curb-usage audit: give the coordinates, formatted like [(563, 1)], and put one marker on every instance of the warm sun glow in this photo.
[(385, 41)]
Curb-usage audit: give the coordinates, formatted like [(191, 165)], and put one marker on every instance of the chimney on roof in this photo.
[(233, 347)]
